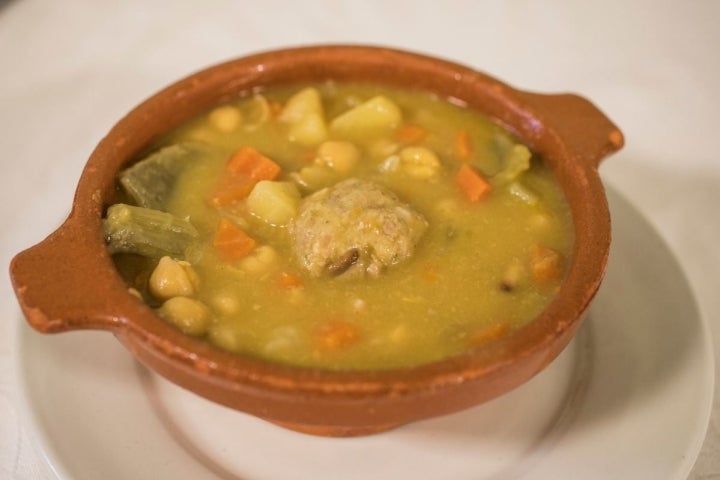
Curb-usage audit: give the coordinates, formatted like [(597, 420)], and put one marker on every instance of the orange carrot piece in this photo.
[(335, 335), (249, 162), (288, 280), (546, 265), (487, 334), (472, 184), (411, 134), (231, 189), (230, 242), (463, 147)]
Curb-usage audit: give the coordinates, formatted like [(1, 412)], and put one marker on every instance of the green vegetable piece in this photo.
[(150, 181), (516, 162), (147, 232)]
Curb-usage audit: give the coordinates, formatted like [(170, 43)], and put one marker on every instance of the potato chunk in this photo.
[(274, 202), (304, 114), (374, 117)]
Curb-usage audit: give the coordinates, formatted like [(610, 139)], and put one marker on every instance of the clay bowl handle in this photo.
[(586, 132), (60, 288)]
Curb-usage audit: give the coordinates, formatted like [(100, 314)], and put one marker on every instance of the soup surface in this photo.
[(342, 226)]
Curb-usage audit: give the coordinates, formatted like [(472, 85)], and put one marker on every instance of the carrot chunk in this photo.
[(463, 147), (244, 168), (249, 162), (231, 188), (472, 184), (546, 265), (230, 242), (411, 134), (335, 335)]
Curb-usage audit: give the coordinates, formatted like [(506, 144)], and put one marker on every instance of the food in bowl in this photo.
[(345, 226), (70, 282)]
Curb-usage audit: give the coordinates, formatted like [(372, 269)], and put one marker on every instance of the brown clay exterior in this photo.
[(69, 282)]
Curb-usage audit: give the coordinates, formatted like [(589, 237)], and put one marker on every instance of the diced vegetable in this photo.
[(339, 155), (472, 184), (231, 188), (250, 163), (172, 278), (274, 203), (335, 335), (546, 265), (147, 232), (245, 168), (232, 243), (463, 147), (304, 114), (309, 132), (305, 102), (189, 315), (516, 162), (150, 181), (419, 162), (411, 134), (374, 117)]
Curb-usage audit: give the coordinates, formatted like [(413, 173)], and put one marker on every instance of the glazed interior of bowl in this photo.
[(567, 131)]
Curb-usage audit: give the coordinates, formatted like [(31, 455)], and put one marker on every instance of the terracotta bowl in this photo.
[(69, 282)]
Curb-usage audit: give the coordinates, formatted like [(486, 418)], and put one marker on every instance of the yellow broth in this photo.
[(473, 275)]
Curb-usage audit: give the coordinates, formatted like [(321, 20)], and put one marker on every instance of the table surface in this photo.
[(70, 69)]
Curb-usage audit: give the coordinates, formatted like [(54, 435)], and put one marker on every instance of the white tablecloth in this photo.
[(69, 69)]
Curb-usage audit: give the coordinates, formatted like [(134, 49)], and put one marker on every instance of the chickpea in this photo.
[(189, 315), (226, 118), (339, 155), (225, 337), (260, 260), (313, 177), (225, 303), (172, 278), (419, 162)]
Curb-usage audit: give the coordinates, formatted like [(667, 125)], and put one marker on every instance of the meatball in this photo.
[(354, 228)]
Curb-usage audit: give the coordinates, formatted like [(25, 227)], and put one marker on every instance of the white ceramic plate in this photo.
[(628, 399)]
